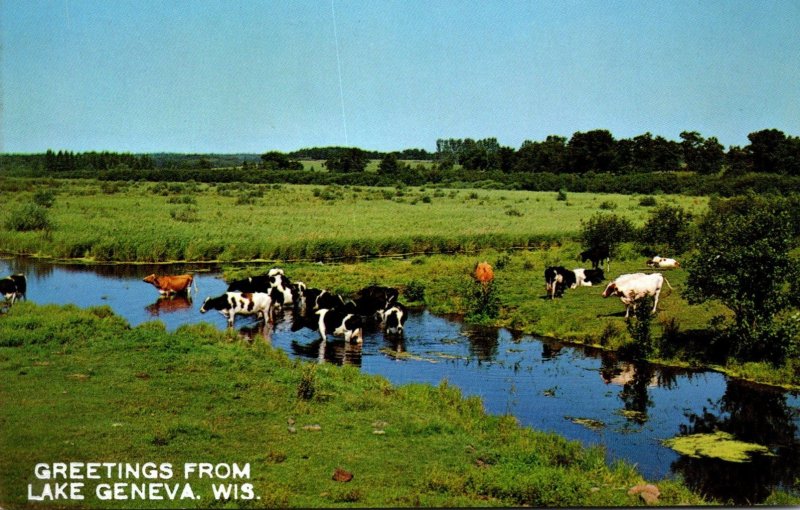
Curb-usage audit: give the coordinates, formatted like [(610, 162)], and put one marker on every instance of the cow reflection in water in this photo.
[(169, 304), (337, 352), (260, 330)]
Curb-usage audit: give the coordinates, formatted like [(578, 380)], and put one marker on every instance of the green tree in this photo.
[(667, 231), (592, 151), (606, 230), (742, 260), (347, 160)]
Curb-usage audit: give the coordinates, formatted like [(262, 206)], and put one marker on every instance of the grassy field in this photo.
[(145, 222), (82, 386)]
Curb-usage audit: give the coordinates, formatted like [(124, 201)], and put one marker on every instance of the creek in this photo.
[(577, 392)]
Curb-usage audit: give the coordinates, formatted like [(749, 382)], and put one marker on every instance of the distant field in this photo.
[(318, 164), (162, 222)]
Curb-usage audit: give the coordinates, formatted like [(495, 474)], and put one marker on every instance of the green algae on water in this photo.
[(718, 445)]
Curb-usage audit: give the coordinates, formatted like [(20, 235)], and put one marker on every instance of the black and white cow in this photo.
[(371, 300), (243, 303), (587, 277), (342, 321), (394, 318), (13, 287), (597, 254), (558, 278), (259, 283), (327, 299)]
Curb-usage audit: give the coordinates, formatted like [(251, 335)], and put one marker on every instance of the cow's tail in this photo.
[(194, 282), (668, 285)]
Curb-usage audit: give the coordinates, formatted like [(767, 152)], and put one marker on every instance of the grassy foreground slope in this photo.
[(81, 385), (144, 222)]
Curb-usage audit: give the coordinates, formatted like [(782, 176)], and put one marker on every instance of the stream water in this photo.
[(580, 393)]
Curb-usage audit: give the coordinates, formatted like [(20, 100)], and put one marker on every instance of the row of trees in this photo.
[(597, 151), (769, 151)]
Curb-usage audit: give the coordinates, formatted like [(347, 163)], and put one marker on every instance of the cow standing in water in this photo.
[(14, 287), (168, 285), (230, 304)]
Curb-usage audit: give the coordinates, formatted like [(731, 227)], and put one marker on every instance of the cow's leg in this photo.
[(655, 304)]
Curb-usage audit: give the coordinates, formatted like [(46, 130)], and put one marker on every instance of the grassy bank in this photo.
[(581, 316), (157, 222), (81, 385)]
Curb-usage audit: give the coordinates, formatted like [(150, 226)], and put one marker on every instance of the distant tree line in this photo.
[(769, 151), (588, 161)]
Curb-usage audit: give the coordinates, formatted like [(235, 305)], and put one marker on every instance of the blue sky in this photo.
[(253, 76)]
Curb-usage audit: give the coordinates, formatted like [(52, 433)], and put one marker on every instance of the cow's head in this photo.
[(203, 308), (611, 290), (150, 279)]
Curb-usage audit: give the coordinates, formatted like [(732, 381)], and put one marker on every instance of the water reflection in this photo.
[(336, 352), (753, 414), (169, 304)]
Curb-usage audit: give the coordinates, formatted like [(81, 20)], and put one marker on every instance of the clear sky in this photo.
[(253, 76)]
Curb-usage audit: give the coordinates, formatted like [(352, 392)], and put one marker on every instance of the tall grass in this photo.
[(201, 222)]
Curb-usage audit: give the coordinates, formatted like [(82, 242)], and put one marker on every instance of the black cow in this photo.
[(587, 277), (558, 278), (258, 283), (597, 254), (327, 299), (13, 287)]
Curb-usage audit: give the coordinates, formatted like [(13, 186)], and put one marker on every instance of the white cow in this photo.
[(663, 263), (630, 288), (243, 303)]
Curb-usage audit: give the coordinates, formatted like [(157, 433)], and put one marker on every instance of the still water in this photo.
[(580, 393)]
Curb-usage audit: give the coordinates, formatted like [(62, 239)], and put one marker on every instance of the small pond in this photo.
[(580, 393)]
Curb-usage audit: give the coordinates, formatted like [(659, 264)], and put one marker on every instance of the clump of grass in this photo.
[(415, 291), (648, 201), (307, 387), (186, 214), (562, 195), (29, 217)]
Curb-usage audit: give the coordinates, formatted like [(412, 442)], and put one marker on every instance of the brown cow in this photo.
[(171, 284)]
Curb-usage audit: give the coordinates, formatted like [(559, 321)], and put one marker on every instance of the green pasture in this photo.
[(83, 386), (146, 222)]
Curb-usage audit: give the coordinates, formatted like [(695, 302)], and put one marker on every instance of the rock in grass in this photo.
[(340, 475), (649, 493)]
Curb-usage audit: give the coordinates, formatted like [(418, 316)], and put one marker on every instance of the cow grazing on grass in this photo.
[(587, 277), (172, 284), (558, 278), (394, 318), (230, 304), (342, 321), (14, 287), (663, 263), (597, 254), (631, 288)]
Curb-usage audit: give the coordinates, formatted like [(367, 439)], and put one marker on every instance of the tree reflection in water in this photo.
[(752, 414)]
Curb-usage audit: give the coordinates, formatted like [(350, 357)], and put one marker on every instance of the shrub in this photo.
[(562, 195), (186, 214), (607, 230), (608, 205), (44, 198), (29, 217), (668, 230), (415, 291), (639, 328), (648, 201)]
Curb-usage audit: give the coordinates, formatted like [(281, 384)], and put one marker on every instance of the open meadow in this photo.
[(145, 222)]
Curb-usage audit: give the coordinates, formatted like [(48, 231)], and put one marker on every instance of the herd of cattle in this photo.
[(329, 313), (630, 288), (317, 309)]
